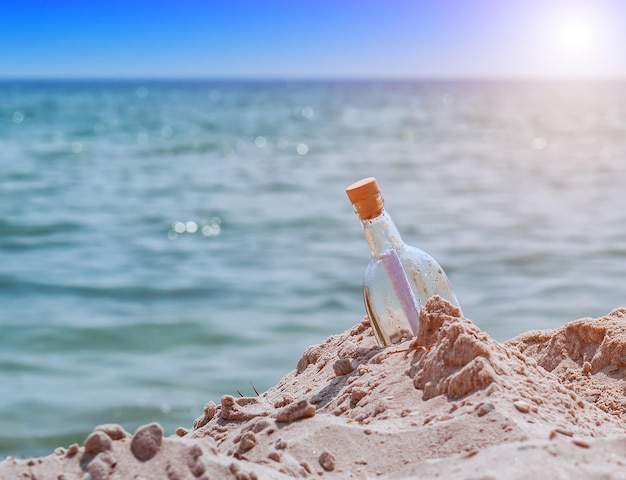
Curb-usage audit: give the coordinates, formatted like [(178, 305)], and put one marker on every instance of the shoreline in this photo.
[(451, 403)]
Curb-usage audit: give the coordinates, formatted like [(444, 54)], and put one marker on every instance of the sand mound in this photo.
[(452, 403), (587, 355)]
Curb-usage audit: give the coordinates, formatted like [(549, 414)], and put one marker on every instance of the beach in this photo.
[(450, 403), (165, 242)]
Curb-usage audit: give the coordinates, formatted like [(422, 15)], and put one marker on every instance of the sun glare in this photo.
[(575, 40), (576, 35)]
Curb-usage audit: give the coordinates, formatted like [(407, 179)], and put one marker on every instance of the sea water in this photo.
[(164, 243)]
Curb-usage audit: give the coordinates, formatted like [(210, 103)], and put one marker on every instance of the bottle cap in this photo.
[(362, 189), (365, 196)]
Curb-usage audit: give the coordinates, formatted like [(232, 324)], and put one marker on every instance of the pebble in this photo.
[(194, 461), (484, 408), (97, 442), (147, 441), (522, 406), (260, 425), (248, 442), (471, 453), (277, 457), (72, 450), (357, 394), (581, 443), (296, 411), (327, 461), (113, 430), (343, 366)]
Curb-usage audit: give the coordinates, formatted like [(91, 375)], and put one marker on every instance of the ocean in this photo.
[(163, 243)]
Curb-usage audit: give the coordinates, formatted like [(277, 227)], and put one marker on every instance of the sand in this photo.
[(452, 403)]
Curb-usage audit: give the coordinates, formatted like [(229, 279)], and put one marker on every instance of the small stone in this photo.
[(522, 406), (280, 444), (561, 431), (181, 431), (327, 461), (296, 411), (72, 450), (471, 453), (194, 461), (97, 442), (147, 441), (113, 430), (484, 408), (581, 443), (277, 457), (343, 366), (260, 425), (248, 442), (357, 394)]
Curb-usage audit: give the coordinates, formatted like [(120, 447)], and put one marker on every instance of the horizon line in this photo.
[(315, 78)]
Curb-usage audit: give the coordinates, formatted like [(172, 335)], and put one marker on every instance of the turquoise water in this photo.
[(164, 243)]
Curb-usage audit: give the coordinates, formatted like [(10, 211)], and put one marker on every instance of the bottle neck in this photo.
[(381, 234)]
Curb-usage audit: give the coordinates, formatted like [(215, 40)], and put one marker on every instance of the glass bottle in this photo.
[(400, 278)]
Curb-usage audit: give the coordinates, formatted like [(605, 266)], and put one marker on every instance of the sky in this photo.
[(313, 39)]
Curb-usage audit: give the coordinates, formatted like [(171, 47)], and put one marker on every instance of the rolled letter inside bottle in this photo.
[(401, 287)]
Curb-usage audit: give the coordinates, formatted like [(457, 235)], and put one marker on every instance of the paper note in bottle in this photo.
[(400, 278)]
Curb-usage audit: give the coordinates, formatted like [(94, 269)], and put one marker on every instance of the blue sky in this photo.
[(313, 38)]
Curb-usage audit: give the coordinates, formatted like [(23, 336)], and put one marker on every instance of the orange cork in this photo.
[(366, 198)]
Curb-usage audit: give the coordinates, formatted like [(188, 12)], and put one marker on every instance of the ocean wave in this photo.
[(131, 338), (15, 229), (180, 149), (10, 285)]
